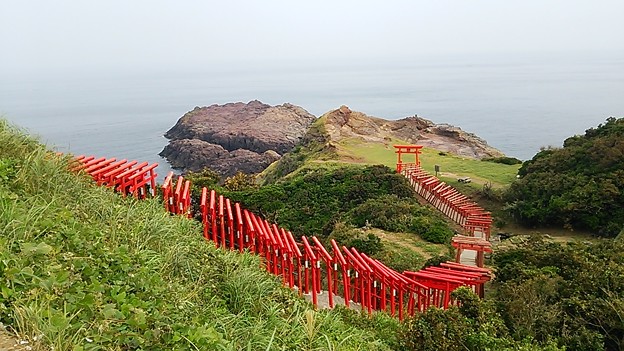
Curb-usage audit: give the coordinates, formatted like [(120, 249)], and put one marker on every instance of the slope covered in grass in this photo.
[(451, 166), (318, 148), (83, 269)]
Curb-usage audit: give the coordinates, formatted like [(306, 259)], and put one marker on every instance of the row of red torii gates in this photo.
[(475, 221), (343, 274)]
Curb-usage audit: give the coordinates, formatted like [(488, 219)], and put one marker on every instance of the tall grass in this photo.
[(82, 268)]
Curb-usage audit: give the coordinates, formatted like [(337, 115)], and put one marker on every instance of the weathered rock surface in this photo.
[(235, 136), (343, 123)]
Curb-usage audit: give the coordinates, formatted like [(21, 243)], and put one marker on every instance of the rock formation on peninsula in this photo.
[(248, 137), (235, 137), (343, 123)]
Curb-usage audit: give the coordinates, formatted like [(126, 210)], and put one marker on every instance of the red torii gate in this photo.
[(462, 242), (407, 149)]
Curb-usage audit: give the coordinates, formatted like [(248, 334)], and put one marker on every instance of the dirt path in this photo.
[(8, 342)]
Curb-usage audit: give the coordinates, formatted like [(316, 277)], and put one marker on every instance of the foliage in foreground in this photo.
[(579, 186), (474, 326), (570, 293), (83, 269)]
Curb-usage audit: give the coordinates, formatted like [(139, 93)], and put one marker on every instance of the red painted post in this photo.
[(167, 190), (366, 281), (250, 237), (359, 284), (230, 222), (212, 206), (282, 251), (177, 195), (186, 199), (343, 266), (203, 205), (221, 220), (260, 241), (298, 254), (313, 260), (239, 227), (328, 263), (275, 249)]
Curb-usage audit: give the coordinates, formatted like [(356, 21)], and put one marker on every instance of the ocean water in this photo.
[(517, 103)]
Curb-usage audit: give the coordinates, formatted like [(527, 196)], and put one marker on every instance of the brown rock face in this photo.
[(235, 136), (343, 123)]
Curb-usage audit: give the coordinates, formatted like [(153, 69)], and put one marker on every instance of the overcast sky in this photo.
[(154, 33)]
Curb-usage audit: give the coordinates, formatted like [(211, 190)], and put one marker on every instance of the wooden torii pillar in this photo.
[(407, 149)]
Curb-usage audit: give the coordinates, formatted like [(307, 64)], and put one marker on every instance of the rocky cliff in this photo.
[(235, 136), (248, 137), (343, 123)]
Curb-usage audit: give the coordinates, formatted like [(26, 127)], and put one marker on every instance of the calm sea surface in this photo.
[(518, 104)]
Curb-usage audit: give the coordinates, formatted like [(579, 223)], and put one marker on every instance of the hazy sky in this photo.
[(77, 33)]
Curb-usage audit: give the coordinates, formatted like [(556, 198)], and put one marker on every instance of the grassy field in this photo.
[(451, 166), (82, 268)]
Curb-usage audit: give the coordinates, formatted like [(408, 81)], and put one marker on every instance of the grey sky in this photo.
[(156, 33)]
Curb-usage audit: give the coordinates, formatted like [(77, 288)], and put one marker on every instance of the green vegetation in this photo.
[(452, 166), (504, 160), (476, 325), (82, 268), (578, 186), (391, 213), (313, 147), (334, 201), (571, 294), (310, 202)]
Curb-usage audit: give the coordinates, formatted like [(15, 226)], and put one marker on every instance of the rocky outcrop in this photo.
[(235, 136), (343, 123)]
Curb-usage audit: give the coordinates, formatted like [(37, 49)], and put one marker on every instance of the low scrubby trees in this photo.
[(578, 186)]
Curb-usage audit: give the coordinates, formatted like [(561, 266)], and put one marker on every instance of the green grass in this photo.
[(81, 268), (453, 166), (405, 251)]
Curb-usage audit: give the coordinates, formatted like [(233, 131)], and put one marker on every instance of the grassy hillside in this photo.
[(83, 269), (317, 148), (451, 166)]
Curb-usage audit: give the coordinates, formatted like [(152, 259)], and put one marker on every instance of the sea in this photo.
[(519, 103)]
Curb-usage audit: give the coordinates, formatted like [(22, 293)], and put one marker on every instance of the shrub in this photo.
[(392, 213), (578, 186), (571, 293), (349, 236), (504, 160), (310, 202)]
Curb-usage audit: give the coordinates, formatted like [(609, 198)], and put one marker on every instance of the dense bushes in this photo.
[(474, 326), (572, 294), (504, 160), (312, 201), (391, 213), (578, 186)]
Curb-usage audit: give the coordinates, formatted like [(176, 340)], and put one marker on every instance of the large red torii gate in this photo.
[(407, 149)]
